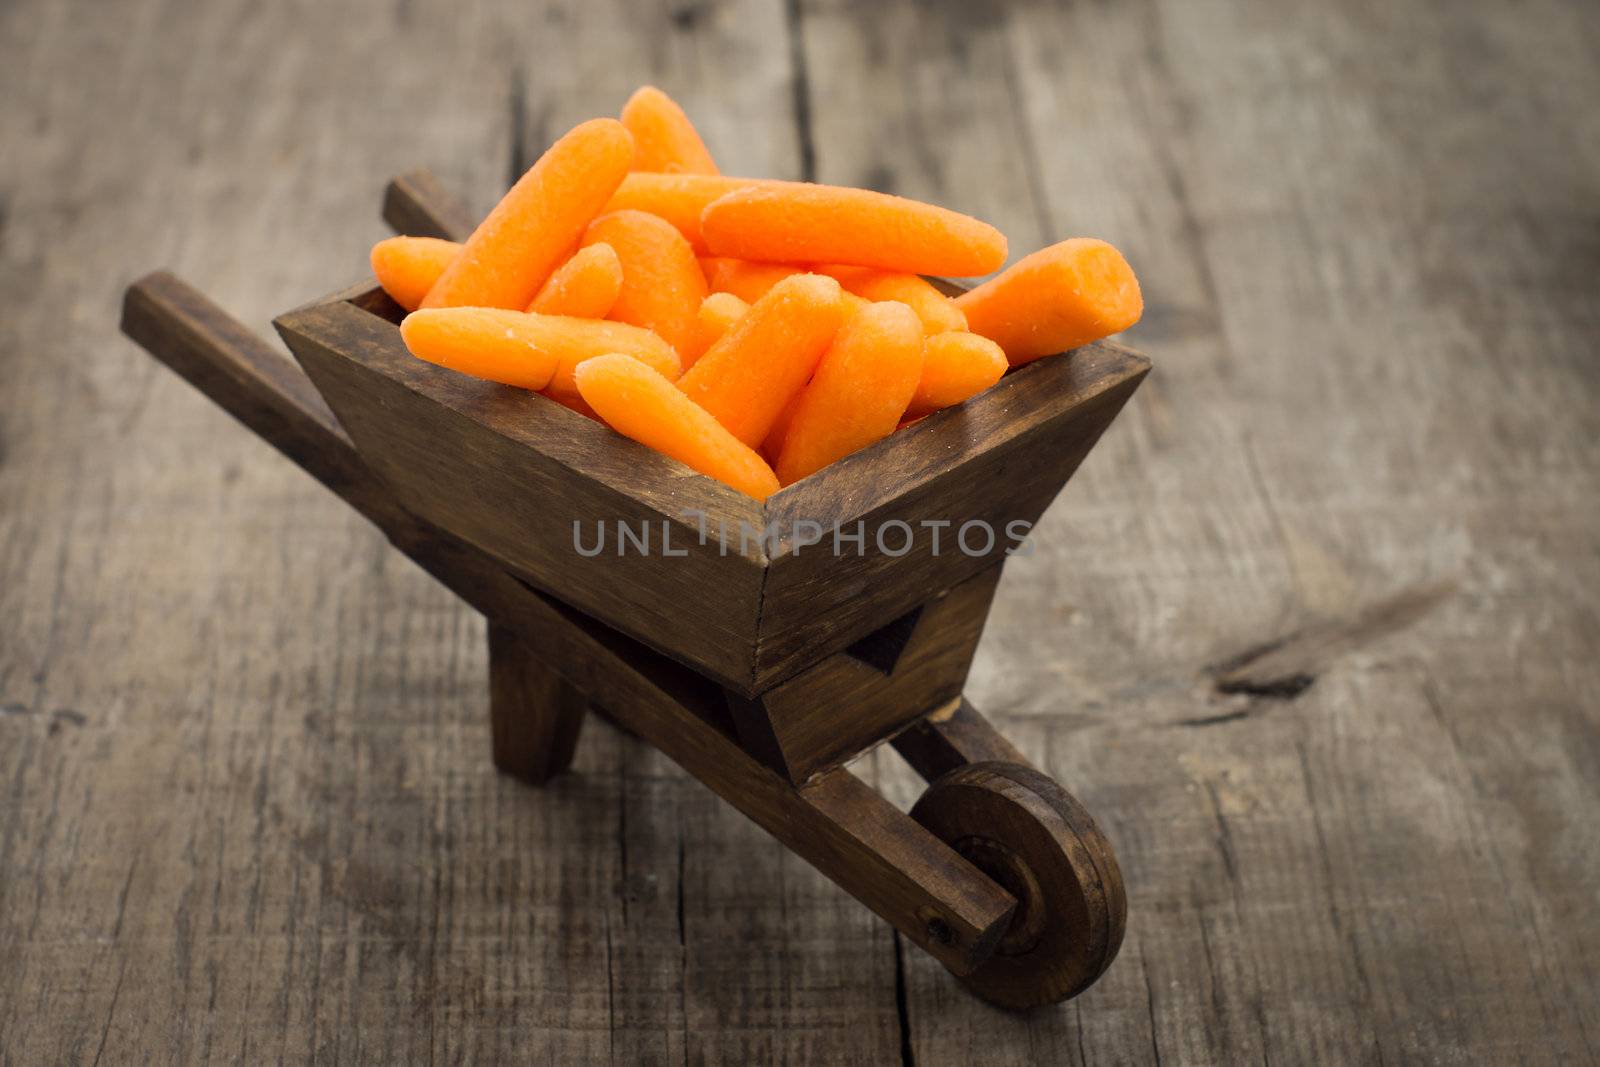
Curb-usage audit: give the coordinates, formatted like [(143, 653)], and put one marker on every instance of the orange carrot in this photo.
[(663, 137), (937, 311), (851, 303), (639, 403), (747, 377), (535, 226), (747, 281), (584, 287), (751, 281), (523, 349), (662, 286), (859, 392), (955, 365), (797, 222), (772, 444), (1058, 298), (407, 267), (718, 312), (678, 198)]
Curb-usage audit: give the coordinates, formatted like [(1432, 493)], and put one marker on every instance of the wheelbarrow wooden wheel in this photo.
[(1028, 834)]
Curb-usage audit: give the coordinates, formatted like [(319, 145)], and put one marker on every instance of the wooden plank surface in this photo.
[(1311, 633)]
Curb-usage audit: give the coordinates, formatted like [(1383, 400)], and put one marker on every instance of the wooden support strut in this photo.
[(535, 715)]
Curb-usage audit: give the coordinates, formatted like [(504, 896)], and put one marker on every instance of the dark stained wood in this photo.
[(834, 710), (535, 715), (417, 204), (952, 738), (532, 483), (997, 460)]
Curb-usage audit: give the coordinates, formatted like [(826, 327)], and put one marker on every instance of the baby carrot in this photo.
[(751, 281), (585, 286), (859, 392), (662, 286), (407, 267), (535, 226), (955, 365), (523, 349), (718, 312), (1057, 298), (937, 311), (639, 403), (772, 444), (797, 222), (678, 198), (747, 377), (745, 280), (663, 137)]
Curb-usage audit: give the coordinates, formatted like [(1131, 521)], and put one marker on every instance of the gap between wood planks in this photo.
[(801, 81)]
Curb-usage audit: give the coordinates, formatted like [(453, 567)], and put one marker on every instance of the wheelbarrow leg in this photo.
[(535, 715)]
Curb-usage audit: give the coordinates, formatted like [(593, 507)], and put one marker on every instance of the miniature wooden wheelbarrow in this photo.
[(759, 662)]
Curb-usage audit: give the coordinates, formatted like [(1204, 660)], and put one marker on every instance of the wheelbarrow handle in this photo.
[(252, 382)]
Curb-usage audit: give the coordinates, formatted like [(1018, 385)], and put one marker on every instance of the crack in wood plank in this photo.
[(1285, 667)]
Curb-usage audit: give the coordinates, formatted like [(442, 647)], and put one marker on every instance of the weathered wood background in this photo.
[(1314, 632)]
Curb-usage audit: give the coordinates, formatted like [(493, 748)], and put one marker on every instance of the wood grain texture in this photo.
[(245, 813), (1309, 210)]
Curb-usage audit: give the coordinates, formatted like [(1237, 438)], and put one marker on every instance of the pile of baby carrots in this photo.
[(754, 330)]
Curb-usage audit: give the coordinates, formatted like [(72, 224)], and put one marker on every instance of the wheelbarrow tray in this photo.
[(709, 576)]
